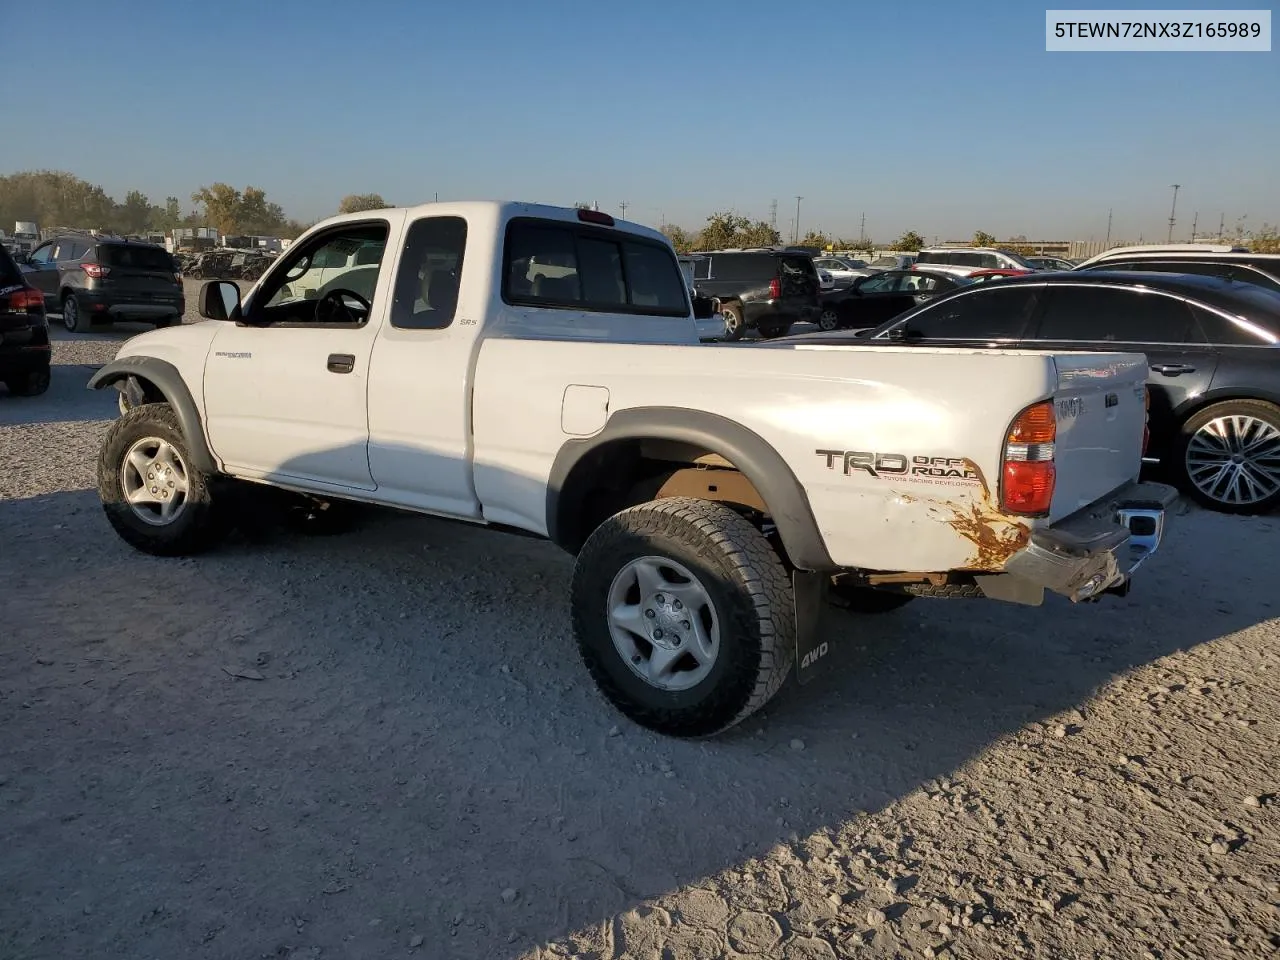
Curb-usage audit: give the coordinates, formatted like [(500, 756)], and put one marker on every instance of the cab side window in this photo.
[(42, 255), (314, 280), (426, 291)]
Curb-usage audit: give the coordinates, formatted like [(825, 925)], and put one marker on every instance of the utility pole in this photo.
[(862, 230), (797, 230), (1108, 246), (1194, 221), (1173, 210), (1222, 222), (773, 215), (624, 206)]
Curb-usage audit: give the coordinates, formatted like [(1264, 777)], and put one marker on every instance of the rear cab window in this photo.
[(569, 266)]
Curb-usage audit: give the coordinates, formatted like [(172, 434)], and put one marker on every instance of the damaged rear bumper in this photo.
[(1093, 552)]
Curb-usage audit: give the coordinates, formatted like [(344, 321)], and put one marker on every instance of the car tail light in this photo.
[(95, 270), (595, 216), (775, 287), (177, 278), (1029, 473), (26, 298)]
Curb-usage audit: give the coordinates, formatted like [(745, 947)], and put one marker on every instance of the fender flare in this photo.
[(759, 462), (169, 382)]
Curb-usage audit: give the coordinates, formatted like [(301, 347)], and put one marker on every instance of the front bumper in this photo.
[(1092, 552)]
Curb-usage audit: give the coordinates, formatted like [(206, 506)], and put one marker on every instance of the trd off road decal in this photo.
[(913, 468)]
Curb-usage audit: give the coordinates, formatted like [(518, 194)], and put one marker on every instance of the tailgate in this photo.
[(1101, 411)]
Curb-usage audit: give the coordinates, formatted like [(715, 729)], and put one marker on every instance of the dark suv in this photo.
[(24, 332), (765, 289), (93, 280)]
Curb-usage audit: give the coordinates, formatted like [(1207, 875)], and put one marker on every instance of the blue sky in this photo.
[(935, 116)]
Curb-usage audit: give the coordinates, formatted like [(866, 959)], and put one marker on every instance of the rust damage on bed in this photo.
[(995, 536)]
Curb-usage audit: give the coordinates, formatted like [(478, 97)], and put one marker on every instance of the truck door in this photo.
[(286, 390), (420, 375)]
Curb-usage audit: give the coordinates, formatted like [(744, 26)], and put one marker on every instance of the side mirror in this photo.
[(220, 300), (704, 308)]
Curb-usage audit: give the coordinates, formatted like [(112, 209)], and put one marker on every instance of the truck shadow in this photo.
[(294, 736)]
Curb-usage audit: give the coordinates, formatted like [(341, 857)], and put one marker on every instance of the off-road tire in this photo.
[(29, 384), (77, 321), (1258, 409), (197, 528), (735, 321), (748, 587)]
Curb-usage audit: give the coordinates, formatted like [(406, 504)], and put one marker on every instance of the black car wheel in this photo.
[(1228, 456), (29, 384), (73, 317), (829, 319), (734, 325), (770, 331)]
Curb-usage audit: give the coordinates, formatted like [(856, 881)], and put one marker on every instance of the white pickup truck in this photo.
[(713, 494)]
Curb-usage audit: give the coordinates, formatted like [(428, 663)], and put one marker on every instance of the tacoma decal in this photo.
[(916, 468)]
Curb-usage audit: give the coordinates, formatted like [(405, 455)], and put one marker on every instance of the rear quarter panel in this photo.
[(898, 448)]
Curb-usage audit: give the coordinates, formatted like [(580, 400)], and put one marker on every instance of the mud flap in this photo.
[(809, 590)]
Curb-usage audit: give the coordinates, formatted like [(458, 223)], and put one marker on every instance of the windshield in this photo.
[(884, 262), (1023, 262)]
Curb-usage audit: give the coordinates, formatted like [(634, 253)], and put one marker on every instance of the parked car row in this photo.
[(1212, 344)]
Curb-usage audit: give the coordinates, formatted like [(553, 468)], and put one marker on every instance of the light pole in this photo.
[(1172, 210), (796, 238)]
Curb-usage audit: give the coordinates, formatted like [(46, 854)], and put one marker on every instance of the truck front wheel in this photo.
[(683, 615), (152, 495)]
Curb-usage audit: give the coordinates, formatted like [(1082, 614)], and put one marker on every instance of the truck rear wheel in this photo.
[(153, 497), (735, 324), (683, 615)]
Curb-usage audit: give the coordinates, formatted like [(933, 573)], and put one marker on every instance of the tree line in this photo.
[(55, 199)]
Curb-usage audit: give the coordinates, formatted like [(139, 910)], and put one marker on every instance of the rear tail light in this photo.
[(775, 288), (95, 270), (1029, 473), (26, 298)]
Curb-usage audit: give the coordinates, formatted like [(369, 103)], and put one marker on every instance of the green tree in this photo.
[(221, 204), (721, 231), (909, 242), (681, 239), (815, 238), (356, 202), (167, 217), (983, 239), (134, 215), (255, 215), (759, 234)]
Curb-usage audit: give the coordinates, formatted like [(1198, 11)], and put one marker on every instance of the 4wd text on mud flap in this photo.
[(899, 465), (813, 655)]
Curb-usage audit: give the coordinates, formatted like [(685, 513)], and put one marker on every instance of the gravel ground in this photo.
[(382, 744)]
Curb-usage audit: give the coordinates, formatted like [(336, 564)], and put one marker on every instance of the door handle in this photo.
[(1172, 369), (342, 362)]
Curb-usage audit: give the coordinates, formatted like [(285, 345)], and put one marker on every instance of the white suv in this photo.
[(962, 261)]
